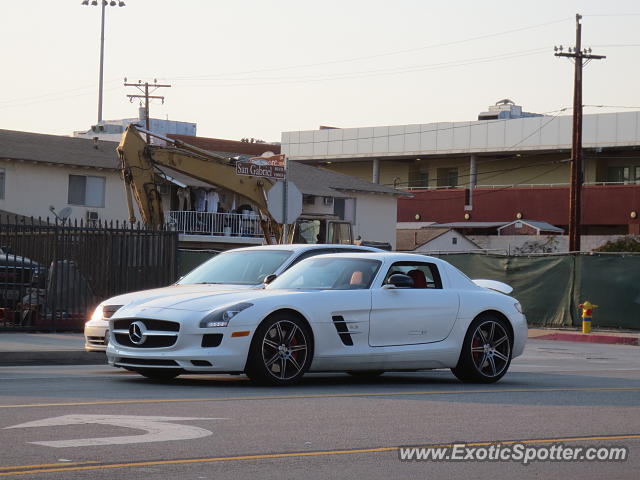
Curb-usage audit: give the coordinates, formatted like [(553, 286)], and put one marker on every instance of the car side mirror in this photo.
[(399, 280), (269, 278)]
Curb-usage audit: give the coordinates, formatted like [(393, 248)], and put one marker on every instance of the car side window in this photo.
[(423, 274)]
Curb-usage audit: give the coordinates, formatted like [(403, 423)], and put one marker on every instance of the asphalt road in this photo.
[(329, 426)]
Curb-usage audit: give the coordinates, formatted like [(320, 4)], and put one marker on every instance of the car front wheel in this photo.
[(486, 351), (281, 351)]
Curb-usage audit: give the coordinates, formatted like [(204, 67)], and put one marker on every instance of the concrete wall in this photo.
[(376, 218), (30, 189), (559, 243)]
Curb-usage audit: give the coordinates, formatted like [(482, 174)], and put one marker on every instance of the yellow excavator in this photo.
[(142, 163)]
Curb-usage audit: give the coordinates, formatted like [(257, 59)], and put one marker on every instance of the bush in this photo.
[(629, 243)]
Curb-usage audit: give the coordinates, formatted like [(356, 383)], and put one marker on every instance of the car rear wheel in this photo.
[(486, 351), (281, 351), (158, 374)]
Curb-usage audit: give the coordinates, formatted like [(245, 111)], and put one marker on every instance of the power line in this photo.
[(386, 54), (381, 72)]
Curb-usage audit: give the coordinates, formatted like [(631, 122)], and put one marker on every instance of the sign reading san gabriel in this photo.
[(267, 165)]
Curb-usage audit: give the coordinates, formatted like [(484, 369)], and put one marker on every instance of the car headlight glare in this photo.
[(222, 316), (98, 313), (518, 307)]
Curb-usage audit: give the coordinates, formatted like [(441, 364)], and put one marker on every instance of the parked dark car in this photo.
[(18, 275)]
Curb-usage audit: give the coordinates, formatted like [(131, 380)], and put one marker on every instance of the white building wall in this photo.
[(31, 188), (511, 243), (376, 217), (533, 133)]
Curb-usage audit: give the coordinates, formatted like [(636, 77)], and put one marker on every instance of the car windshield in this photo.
[(328, 273), (240, 267)]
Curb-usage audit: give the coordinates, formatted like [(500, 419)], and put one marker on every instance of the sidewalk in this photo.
[(68, 348), (611, 337), (46, 349)]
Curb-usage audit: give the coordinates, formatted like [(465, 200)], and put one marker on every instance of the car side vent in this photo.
[(343, 331)]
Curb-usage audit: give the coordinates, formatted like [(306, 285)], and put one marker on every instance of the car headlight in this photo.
[(221, 317), (98, 313), (518, 307)]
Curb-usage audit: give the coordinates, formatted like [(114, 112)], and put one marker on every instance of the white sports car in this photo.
[(234, 269), (363, 313)]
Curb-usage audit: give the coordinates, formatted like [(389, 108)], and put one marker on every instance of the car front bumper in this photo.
[(187, 354), (94, 335)]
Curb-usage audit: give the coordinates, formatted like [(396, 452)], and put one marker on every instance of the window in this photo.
[(424, 275), (624, 175), (86, 190), (418, 176), (454, 240), (447, 177), (1, 183)]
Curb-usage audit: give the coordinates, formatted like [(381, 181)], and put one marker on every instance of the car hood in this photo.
[(193, 301), (171, 292)]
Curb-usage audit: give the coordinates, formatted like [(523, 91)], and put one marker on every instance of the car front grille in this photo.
[(154, 333)]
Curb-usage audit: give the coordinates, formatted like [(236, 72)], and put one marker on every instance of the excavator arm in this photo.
[(141, 163)]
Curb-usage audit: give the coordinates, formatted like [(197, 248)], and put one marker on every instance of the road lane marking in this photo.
[(327, 395), (43, 465), (157, 429), (269, 456)]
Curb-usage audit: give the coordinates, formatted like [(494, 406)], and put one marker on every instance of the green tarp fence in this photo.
[(550, 287)]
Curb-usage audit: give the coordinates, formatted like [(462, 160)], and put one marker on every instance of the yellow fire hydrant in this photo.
[(587, 311)]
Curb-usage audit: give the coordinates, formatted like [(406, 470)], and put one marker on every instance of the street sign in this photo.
[(157, 429), (257, 170), (284, 211)]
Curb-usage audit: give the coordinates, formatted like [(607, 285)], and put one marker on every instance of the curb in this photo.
[(590, 338), (55, 357)]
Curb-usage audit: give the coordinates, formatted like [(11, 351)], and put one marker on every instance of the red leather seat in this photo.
[(419, 279)]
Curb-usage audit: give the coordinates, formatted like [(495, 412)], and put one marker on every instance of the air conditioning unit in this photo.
[(92, 216), (165, 189), (327, 200)]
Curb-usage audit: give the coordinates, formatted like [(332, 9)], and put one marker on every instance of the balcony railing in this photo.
[(215, 224), (520, 185)]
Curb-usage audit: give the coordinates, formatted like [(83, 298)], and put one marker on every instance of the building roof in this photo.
[(57, 149), (410, 239), (537, 224), (475, 225)]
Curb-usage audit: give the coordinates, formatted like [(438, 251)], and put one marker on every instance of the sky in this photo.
[(256, 68)]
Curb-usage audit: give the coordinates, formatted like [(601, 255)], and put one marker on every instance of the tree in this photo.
[(628, 243)]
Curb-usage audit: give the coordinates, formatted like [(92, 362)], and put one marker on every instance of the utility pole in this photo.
[(144, 89), (575, 190)]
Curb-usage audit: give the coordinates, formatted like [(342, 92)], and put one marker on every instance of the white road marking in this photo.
[(158, 429)]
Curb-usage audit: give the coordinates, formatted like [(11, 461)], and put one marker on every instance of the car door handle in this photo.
[(416, 332)]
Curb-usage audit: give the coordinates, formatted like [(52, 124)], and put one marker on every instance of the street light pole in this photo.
[(100, 84), (103, 5)]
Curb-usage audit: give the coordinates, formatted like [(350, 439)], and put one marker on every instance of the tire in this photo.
[(486, 351), (365, 373), (158, 374), (281, 350)]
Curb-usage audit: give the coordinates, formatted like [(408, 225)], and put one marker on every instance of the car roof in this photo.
[(388, 256), (301, 247)]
